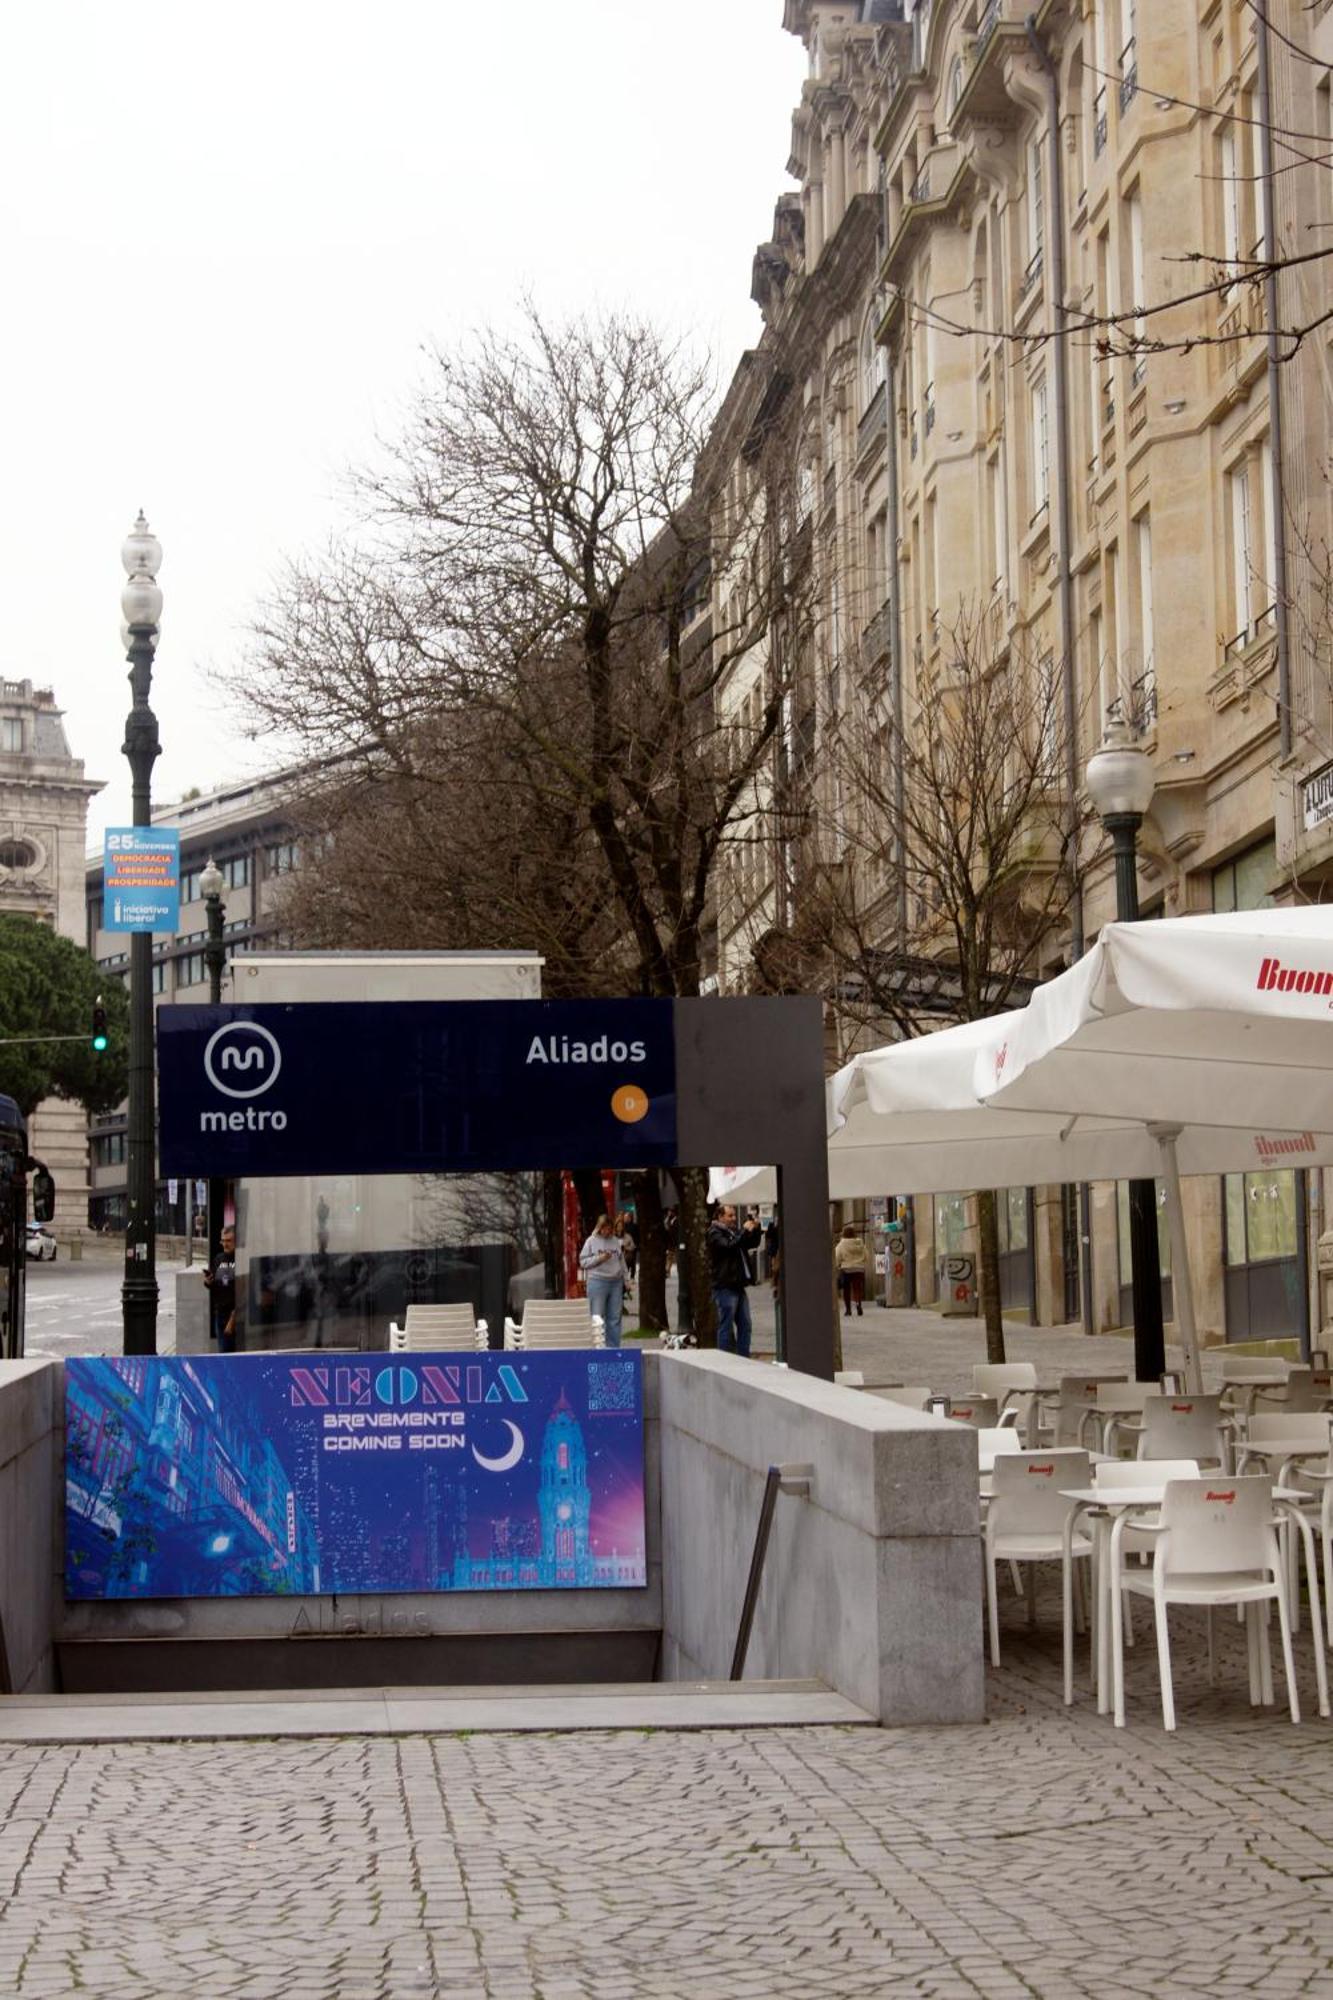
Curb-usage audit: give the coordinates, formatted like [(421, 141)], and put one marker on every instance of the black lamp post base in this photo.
[(138, 1301)]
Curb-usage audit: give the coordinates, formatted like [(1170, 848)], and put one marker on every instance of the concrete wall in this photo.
[(872, 1584), (29, 1546)]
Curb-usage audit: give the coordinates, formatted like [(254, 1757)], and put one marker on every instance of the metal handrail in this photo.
[(780, 1479)]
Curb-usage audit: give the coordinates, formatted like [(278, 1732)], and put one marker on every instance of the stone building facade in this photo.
[(43, 834), (1026, 378)]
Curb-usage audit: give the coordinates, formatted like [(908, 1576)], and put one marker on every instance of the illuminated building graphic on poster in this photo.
[(256, 1475)]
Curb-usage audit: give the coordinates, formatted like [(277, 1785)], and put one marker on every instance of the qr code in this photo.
[(611, 1386)]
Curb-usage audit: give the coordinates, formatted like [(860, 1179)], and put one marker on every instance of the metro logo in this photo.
[(1274, 977)]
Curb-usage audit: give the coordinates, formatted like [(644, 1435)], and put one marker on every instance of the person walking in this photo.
[(851, 1262), (629, 1244), (731, 1274), (602, 1261), (220, 1278)]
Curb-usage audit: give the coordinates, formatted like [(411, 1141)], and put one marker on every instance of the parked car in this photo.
[(41, 1243)]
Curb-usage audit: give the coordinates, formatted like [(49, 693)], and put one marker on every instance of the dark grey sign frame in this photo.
[(750, 1090)]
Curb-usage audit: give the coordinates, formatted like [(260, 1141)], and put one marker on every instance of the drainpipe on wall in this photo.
[(1280, 618), (895, 640), (1065, 586)]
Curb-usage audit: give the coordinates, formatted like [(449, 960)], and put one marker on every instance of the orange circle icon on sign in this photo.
[(629, 1104)]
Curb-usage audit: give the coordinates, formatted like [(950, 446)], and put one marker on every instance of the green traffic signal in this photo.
[(100, 1037)]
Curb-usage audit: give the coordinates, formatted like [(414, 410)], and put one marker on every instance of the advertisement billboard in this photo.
[(297, 1475), (420, 1087)]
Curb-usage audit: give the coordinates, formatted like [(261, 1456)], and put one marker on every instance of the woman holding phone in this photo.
[(602, 1262)]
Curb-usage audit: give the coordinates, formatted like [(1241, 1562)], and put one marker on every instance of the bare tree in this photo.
[(515, 668), (940, 863)]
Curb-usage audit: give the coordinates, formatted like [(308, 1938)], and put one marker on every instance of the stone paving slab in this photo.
[(1041, 1853), (420, 1711)]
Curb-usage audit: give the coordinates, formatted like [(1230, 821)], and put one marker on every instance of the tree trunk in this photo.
[(696, 1275), (553, 1233), (988, 1272), (652, 1251)]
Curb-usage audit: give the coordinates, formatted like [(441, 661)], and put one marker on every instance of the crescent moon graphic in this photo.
[(510, 1458)]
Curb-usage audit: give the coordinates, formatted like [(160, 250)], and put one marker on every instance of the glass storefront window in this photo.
[(1243, 882), (1163, 1232), (1011, 1214), (951, 1230), (1261, 1216)]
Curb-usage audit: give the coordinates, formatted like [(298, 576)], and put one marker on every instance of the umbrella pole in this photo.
[(1181, 1283)]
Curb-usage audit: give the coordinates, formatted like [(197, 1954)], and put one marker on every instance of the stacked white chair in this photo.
[(555, 1323), (445, 1326)]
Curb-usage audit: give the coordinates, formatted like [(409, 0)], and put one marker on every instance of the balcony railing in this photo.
[(1129, 73), (986, 26), (1099, 123), (877, 634), (1139, 372), (874, 421), (1031, 273), (920, 188), (1249, 635), (930, 408), (1143, 700)]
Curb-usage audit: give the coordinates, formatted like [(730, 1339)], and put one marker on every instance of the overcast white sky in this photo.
[(227, 232)]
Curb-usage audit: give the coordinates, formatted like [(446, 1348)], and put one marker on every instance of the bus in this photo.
[(15, 1166)]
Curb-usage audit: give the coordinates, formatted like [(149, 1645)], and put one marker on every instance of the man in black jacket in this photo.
[(731, 1275)]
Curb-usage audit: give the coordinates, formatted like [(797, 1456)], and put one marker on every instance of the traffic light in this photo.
[(100, 1037)]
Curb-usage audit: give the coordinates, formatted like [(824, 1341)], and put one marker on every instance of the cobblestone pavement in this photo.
[(1044, 1853)]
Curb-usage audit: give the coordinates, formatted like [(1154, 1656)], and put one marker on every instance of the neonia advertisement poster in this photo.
[(258, 1475)]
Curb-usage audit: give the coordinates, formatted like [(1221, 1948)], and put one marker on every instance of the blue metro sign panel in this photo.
[(459, 1086)]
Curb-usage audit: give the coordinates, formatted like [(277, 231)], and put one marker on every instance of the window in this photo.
[(281, 858), (160, 976), (191, 970), (17, 854), (1036, 214), (957, 77), (1041, 450), (1145, 685), (1261, 1212), (11, 732), (236, 871), (1245, 882), (108, 1149), (1242, 551), (1138, 291)]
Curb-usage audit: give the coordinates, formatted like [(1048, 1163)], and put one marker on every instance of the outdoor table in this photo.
[(1103, 1506), (1249, 1387)]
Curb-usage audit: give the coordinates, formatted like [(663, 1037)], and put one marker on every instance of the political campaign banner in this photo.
[(255, 1475), (141, 878)]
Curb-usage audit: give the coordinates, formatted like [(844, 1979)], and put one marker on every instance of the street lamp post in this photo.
[(215, 958), (141, 603), (1120, 781)]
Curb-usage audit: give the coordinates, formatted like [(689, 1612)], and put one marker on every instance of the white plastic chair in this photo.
[(1013, 1385), (1113, 1474), (556, 1323), (1185, 1427), (1000, 1441), (1276, 1441), (982, 1412), (912, 1395), (1117, 1406), (1025, 1522), (446, 1326), (1249, 1376), (1067, 1409), (1216, 1543)]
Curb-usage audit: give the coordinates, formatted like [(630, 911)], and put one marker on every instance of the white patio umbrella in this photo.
[(916, 1117), (1215, 1032)]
